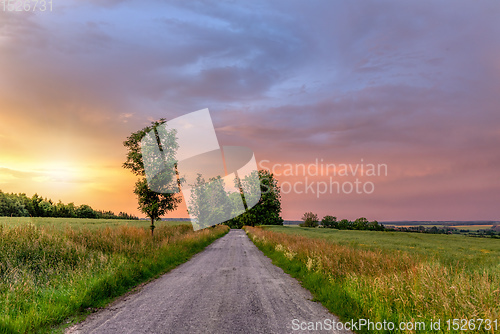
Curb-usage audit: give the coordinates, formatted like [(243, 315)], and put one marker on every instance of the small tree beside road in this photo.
[(151, 203)]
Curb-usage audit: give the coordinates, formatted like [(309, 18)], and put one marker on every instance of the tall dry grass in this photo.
[(384, 285)]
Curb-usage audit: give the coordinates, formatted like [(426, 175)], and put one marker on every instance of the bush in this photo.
[(310, 220), (329, 221)]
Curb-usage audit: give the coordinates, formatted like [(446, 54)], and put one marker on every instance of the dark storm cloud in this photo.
[(169, 60)]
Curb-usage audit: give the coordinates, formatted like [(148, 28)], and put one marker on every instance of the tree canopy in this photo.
[(310, 219), (154, 203), (267, 211)]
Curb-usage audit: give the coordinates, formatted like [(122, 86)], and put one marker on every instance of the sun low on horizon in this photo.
[(379, 110)]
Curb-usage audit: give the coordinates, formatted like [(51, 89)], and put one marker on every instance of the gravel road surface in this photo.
[(230, 287)]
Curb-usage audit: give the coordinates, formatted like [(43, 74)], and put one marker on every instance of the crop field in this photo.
[(455, 250), (472, 227), (393, 276), (58, 270), (79, 223), (459, 227)]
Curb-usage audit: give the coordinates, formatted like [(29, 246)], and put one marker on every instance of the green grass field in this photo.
[(392, 276), (52, 270), (78, 223), (472, 227), (456, 250)]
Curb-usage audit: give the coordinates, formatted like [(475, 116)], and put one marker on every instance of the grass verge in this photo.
[(383, 284), (48, 274)]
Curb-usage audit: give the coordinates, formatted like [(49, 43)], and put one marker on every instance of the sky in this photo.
[(411, 86)]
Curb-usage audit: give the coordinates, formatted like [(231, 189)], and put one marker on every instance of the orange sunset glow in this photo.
[(414, 87)]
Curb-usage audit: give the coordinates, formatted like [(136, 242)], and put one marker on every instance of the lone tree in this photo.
[(151, 203), (310, 220)]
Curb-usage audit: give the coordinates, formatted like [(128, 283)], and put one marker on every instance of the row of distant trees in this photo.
[(20, 205), (311, 219), (446, 230), (423, 229)]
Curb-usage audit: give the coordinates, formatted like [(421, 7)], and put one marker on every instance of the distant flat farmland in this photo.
[(472, 227), (460, 225)]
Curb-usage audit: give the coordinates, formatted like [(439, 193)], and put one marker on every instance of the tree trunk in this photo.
[(152, 226)]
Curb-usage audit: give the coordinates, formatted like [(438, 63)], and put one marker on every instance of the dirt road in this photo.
[(231, 287)]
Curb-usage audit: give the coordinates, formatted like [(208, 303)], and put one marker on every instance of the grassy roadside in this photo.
[(48, 273), (382, 283)]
